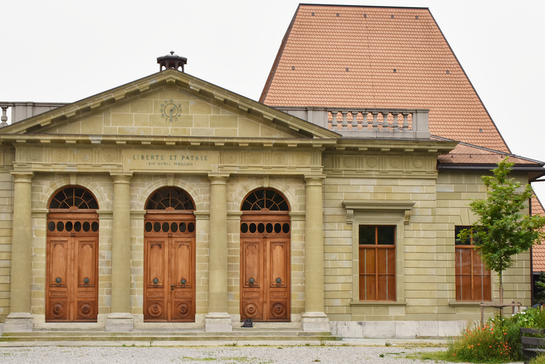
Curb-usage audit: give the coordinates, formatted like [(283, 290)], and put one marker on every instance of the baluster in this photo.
[(345, 122), (395, 124), (334, 119), (405, 121), (4, 118), (375, 122), (385, 121), (354, 120)]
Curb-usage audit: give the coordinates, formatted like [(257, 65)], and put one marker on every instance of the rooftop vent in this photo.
[(171, 61)]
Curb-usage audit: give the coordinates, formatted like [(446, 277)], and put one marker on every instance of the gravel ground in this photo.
[(219, 354)]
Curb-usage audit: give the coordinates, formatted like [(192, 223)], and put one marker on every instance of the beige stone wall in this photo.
[(293, 189), (142, 186), (6, 218), (142, 115), (455, 190), (44, 187), (425, 266), (428, 266), (416, 299)]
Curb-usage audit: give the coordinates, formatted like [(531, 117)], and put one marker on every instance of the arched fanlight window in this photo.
[(170, 198), (265, 199), (74, 198)]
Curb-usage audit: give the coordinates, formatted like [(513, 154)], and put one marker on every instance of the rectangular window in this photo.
[(377, 263), (473, 280)]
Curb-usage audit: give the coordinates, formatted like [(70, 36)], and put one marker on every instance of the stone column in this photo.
[(314, 318), (120, 317), (218, 319), (20, 318)]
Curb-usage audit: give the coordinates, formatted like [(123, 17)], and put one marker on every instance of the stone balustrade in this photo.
[(24, 110), (383, 123)]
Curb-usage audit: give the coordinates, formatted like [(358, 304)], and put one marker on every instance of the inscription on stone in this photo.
[(169, 160)]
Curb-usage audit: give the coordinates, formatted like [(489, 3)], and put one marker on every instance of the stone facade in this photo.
[(170, 129)]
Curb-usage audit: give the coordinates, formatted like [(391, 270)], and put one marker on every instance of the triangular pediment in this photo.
[(169, 103)]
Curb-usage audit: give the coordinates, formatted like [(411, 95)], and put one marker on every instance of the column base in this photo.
[(315, 322), (218, 322), (119, 322), (19, 321)]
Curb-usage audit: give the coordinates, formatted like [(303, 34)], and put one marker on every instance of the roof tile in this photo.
[(371, 44)]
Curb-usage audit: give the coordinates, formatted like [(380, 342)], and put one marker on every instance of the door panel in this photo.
[(252, 294), (72, 268), (265, 257), (87, 302), (156, 276), (182, 281), (169, 267)]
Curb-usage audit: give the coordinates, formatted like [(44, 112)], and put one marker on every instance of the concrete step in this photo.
[(247, 334)]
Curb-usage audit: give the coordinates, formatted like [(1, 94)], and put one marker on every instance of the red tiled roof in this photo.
[(354, 56), (466, 154), (538, 251)]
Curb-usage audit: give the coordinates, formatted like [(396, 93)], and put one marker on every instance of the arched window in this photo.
[(73, 198), (170, 198), (265, 199)]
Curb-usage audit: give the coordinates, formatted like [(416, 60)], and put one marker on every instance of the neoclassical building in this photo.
[(331, 205)]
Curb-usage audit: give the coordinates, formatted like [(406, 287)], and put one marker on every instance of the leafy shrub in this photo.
[(486, 344), (498, 340), (540, 359), (533, 318)]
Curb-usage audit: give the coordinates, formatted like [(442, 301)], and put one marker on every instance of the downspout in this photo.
[(531, 260)]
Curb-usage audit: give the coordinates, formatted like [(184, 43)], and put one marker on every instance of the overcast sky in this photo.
[(64, 51)]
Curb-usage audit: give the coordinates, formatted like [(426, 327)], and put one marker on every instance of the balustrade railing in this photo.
[(368, 123), (24, 110)]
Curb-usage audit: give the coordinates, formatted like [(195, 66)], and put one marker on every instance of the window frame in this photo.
[(473, 274), (377, 274), (371, 212)]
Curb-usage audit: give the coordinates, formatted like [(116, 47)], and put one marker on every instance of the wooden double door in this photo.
[(265, 266), (72, 267), (169, 267)]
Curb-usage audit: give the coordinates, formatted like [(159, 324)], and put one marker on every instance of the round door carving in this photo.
[(85, 310), (250, 310), (183, 309), (278, 310), (155, 309), (58, 310)]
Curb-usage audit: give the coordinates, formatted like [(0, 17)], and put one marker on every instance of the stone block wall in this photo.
[(143, 115), (428, 291), (44, 187), (455, 190), (293, 188)]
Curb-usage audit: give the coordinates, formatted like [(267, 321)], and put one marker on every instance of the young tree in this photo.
[(503, 229)]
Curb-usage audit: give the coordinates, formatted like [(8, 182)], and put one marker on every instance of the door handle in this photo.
[(172, 287)]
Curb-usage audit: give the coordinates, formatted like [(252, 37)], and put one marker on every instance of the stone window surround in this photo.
[(379, 213), (468, 302)]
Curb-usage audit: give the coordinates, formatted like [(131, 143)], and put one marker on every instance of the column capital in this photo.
[(121, 177), (22, 176), (314, 180), (218, 178)]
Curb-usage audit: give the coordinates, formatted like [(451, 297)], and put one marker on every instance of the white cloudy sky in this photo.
[(63, 51)]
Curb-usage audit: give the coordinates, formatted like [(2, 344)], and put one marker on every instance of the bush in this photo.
[(540, 359), (486, 344), (498, 340)]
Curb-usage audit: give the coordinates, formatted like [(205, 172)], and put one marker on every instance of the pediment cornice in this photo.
[(190, 84)]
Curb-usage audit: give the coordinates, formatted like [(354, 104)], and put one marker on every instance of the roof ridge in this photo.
[(488, 149), (469, 80), (277, 58), (365, 6)]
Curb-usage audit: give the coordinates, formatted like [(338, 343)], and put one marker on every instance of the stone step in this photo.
[(187, 335)]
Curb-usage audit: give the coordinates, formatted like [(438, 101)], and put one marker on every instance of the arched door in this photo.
[(265, 257), (72, 256), (169, 257)]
